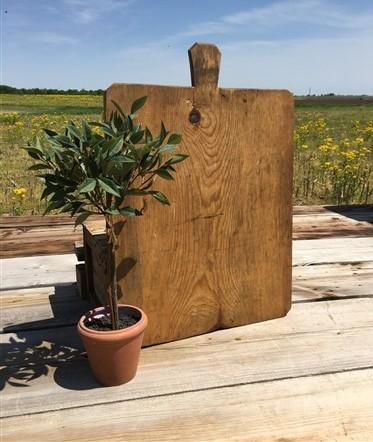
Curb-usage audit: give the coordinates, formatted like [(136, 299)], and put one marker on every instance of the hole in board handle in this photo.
[(195, 116)]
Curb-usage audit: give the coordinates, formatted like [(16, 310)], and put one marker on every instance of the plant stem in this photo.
[(113, 297), (114, 289)]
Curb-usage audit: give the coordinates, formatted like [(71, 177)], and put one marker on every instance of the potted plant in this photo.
[(94, 168)]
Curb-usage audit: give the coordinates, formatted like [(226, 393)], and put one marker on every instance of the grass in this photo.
[(23, 117), (53, 104), (333, 150), (333, 154)]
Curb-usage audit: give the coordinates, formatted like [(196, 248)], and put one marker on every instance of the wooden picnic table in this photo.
[(305, 377)]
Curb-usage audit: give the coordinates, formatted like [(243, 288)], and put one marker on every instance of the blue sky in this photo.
[(325, 45)]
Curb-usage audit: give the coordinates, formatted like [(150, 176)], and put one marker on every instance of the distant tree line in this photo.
[(4, 89)]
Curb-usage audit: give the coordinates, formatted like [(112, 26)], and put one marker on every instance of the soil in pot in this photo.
[(102, 322)]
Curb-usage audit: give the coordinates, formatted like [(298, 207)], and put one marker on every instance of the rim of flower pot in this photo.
[(130, 331)]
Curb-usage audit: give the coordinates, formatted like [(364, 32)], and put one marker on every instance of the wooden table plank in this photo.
[(33, 271), (337, 406), (309, 283), (56, 269), (333, 250), (315, 338), (25, 235), (40, 308), (26, 221), (38, 235), (354, 211), (304, 377), (332, 281)]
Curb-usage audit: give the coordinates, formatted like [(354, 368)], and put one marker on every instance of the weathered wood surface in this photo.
[(307, 377), (322, 341), (332, 281), (344, 255), (59, 269), (38, 235), (61, 305), (331, 407), (40, 308), (52, 234), (335, 250), (325, 222), (34, 271), (316, 338)]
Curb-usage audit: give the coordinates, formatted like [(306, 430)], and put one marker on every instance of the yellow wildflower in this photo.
[(20, 192)]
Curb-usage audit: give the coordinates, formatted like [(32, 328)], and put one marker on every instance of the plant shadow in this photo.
[(47, 347)]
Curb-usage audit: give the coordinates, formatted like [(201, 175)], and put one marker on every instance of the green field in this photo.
[(333, 150)]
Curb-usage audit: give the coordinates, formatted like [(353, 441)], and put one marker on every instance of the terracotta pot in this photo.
[(114, 355)]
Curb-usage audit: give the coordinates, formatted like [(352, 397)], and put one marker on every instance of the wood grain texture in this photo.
[(331, 225), (204, 62), (322, 268), (40, 308), (332, 281), (317, 282), (33, 271), (214, 258), (37, 235), (315, 338), (332, 407), (334, 250), (54, 234)]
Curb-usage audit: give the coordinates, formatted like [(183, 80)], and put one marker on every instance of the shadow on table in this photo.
[(40, 348), (357, 212)]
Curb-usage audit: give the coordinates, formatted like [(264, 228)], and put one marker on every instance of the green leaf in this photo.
[(159, 196), (138, 104), (174, 139), (87, 185), (50, 133), (60, 195), (137, 137), (123, 159), (114, 145), (87, 131), (109, 186), (167, 148), (119, 109), (76, 206), (163, 133), (54, 205), (33, 152), (129, 211), (176, 159), (48, 190), (74, 131), (136, 192), (81, 218), (39, 166), (112, 211), (148, 135), (164, 173)]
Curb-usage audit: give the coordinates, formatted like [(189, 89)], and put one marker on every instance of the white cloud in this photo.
[(53, 38), (339, 62), (339, 65), (88, 11), (280, 14)]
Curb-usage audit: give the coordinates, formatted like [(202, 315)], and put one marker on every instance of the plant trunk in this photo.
[(113, 292)]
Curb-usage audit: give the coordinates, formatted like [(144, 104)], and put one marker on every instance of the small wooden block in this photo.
[(79, 250), (81, 280)]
